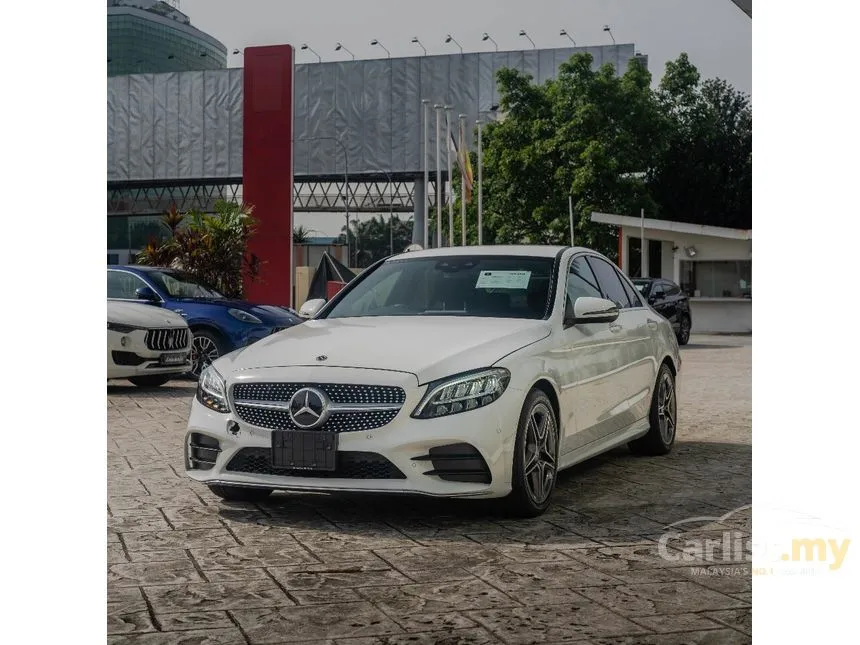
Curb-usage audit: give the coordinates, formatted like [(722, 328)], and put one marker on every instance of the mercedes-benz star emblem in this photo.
[(322, 357), (309, 408)]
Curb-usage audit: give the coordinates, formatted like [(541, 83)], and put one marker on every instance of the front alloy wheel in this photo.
[(205, 349), (535, 457)]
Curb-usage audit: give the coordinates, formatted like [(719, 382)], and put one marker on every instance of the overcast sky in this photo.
[(715, 33)]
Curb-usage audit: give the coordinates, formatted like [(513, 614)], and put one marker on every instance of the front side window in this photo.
[(609, 282), (181, 285), (123, 285), (581, 281), (457, 285)]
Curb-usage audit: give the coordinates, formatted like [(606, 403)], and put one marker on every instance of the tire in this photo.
[(240, 493), (664, 420), (534, 473), (205, 348), (684, 330), (150, 381)]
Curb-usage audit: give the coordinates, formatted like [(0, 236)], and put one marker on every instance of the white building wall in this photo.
[(710, 315)]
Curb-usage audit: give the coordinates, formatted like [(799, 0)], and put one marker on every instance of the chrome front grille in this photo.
[(353, 407), (165, 340)]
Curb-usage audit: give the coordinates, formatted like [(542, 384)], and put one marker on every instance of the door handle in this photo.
[(652, 324), (615, 328)]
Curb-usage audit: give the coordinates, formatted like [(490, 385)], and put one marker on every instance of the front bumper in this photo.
[(128, 355), (404, 442)]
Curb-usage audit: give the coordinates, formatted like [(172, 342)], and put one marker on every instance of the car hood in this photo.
[(270, 313), (430, 347), (142, 315)]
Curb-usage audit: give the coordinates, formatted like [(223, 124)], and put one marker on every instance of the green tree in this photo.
[(211, 247), (585, 135), (371, 240), (704, 174)]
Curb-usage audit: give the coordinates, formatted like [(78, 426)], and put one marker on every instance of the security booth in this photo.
[(712, 264)]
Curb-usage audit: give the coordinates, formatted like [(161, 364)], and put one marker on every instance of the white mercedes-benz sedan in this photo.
[(460, 372)]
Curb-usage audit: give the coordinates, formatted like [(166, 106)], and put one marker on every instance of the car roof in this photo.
[(138, 267), (526, 250)]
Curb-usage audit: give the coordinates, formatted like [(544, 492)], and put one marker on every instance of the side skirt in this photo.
[(638, 429)]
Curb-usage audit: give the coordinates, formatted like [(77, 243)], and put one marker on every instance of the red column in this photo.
[(267, 168)]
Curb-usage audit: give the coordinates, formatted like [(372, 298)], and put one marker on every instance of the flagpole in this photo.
[(438, 109), (570, 206), (424, 241), (480, 186), (463, 179), (450, 179)]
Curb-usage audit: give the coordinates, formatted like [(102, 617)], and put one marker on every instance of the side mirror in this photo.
[(592, 310), (146, 293), (311, 308)]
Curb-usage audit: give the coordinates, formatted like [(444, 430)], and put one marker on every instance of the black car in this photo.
[(669, 301)]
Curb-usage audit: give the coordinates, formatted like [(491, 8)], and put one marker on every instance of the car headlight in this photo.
[(122, 329), (212, 390), (462, 393), (244, 316)]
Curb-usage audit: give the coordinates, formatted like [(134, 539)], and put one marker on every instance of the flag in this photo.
[(466, 166), (463, 163)]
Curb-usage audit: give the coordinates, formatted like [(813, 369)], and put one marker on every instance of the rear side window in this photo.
[(610, 282), (632, 293), (672, 289)]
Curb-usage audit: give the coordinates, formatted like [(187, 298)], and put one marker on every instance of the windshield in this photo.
[(181, 285), (458, 285)]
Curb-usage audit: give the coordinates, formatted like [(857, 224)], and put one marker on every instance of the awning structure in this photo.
[(329, 270)]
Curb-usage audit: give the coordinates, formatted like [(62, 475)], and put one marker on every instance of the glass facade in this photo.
[(141, 42)]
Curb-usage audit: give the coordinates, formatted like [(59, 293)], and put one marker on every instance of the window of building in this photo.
[(717, 279), (610, 283)]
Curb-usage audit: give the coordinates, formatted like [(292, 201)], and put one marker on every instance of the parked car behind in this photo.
[(218, 324), (667, 299), (145, 345)]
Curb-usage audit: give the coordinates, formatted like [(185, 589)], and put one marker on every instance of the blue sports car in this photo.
[(218, 324)]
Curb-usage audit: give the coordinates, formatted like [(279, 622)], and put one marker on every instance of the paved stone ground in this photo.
[(184, 567)]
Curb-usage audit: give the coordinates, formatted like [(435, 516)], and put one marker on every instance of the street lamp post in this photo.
[(438, 109), (418, 42), (487, 37), (424, 241), (480, 185), (608, 30), (448, 109), (375, 42), (450, 39), (563, 32), (524, 34), (340, 46), (307, 47)]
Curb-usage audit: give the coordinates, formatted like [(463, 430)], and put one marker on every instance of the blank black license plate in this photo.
[(304, 450)]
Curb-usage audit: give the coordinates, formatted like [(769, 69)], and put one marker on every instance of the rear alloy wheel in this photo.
[(150, 381), (240, 493), (684, 331), (205, 348), (663, 417), (535, 457)]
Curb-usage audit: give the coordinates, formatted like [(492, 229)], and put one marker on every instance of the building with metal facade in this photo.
[(178, 137), (151, 36)]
